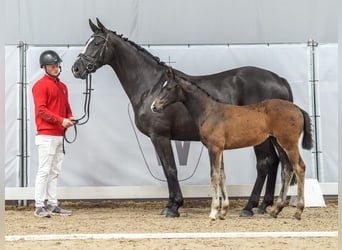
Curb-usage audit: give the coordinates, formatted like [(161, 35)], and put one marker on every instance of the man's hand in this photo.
[(67, 123)]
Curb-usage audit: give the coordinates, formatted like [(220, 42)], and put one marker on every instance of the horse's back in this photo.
[(244, 85)]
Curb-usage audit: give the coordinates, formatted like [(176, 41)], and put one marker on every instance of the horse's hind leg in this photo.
[(215, 156), (267, 165), (300, 174), (299, 169), (286, 177), (281, 201), (224, 193)]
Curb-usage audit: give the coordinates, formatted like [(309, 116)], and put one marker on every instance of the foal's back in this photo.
[(231, 126)]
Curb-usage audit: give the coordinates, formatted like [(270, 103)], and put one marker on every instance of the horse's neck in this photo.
[(136, 71), (198, 103)]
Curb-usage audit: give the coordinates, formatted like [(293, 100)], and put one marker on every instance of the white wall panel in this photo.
[(173, 22), (11, 116), (328, 100), (107, 150)]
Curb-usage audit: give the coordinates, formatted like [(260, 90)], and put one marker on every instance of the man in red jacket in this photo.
[(52, 116)]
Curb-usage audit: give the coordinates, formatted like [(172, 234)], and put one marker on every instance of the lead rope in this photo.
[(86, 115)]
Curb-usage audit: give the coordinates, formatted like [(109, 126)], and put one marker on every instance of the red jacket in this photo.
[(51, 103)]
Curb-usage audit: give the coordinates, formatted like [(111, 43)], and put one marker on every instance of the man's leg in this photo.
[(44, 166), (53, 178)]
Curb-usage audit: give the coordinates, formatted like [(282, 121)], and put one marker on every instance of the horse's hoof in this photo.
[(170, 213), (260, 211), (246, 213)]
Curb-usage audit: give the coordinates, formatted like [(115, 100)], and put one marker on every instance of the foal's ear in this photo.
[(101, 26), (93, 27)]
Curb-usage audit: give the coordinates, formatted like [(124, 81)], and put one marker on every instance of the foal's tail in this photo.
[(307, 142)]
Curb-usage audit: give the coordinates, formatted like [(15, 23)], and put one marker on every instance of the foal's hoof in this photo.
[(211, 219), (222, 217), (170, 213), (274, 214), (298, 216), (246, 213)]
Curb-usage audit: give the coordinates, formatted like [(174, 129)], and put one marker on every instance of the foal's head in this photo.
[(170, 92)]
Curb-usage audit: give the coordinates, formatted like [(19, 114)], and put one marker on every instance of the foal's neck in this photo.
[(198, 102)]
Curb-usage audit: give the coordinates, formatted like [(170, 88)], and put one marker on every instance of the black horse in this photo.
[(139, 71)]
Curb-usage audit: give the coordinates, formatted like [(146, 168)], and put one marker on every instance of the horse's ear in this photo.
[(93, 27), (101, 26)]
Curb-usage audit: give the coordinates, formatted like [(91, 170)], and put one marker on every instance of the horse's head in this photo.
[(170, 92), (95, 53)]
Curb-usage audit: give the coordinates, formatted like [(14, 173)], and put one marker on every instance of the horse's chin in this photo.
[(80, 76)]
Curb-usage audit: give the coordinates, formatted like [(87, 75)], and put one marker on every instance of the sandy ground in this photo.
[(112, 217)]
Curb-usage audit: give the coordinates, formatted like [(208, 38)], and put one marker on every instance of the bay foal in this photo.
[(224, 126)]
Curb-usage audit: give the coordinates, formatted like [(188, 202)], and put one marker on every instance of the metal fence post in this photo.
[(23, 141), (315, 110)]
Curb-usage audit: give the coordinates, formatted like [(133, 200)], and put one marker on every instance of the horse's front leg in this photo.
[(163, 148), (215, 165)]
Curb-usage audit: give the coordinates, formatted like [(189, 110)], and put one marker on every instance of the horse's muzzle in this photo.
[(79, 71)]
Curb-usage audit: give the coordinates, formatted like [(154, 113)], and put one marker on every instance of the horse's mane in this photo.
[(139, 48), (202, 90)]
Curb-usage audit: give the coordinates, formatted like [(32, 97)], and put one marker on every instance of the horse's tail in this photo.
[(307, 141)]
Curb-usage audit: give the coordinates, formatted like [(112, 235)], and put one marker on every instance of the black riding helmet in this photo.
[(49, 57)]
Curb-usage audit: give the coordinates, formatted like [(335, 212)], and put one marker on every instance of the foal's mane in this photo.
[(202, 90), (139, 48)]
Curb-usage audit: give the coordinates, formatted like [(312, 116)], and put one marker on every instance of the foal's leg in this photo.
[(215, 156), (286, 174), (299, 170), (224, 193), (281, 201), (300, 174)]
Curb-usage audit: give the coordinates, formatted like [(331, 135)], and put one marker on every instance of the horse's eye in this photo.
[(97, 43)]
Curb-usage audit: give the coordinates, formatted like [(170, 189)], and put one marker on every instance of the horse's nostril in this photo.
[(74, 69)]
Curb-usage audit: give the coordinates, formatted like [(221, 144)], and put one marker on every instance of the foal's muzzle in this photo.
[(156, 106)]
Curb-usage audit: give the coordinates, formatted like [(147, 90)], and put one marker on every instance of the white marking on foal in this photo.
[(152, 106), (165, 83)]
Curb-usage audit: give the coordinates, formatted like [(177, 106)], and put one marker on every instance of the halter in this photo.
[(90, 61), (86, 108)]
